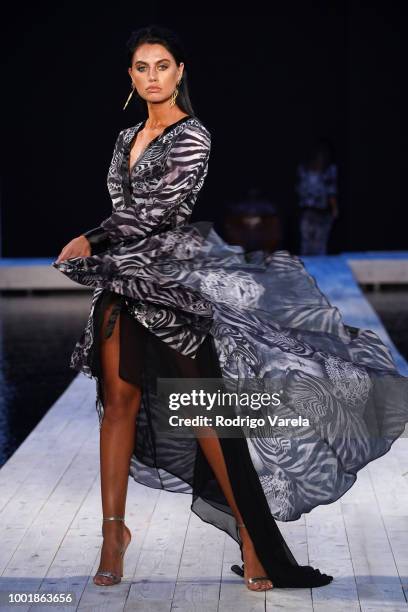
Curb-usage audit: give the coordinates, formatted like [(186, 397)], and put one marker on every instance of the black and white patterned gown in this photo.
[(194, 306)]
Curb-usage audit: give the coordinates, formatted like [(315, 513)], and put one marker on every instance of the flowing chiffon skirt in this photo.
[(244, 316), (179, 465)]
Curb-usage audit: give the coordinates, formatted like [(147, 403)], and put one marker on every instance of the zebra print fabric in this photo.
[(165, 181), (269, 320)]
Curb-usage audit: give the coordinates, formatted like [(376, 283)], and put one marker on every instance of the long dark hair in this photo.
[(169, 39)]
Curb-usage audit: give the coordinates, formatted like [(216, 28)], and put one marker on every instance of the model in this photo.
[(173, 300)]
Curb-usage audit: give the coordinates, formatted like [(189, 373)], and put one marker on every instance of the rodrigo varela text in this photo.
[(238, 421), (208, 400)]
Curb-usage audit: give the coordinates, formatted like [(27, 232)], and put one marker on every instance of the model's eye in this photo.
[(141, 68)]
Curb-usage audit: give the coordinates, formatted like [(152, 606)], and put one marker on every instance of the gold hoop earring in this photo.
[(129, 96), (174, 95)]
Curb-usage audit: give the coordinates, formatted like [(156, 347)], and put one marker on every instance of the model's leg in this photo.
[(213, 452), (314, 235), (306, 233), (117, 435), (326, 226)]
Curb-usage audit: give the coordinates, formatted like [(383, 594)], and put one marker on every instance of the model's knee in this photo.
[(122, 405)]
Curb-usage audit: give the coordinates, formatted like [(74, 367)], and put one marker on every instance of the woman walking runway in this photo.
[(173, 300)]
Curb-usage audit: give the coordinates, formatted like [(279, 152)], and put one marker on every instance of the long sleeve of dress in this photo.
[(167, 203), (98, 238)]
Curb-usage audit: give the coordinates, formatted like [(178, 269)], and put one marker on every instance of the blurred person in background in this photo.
[(316, 186)]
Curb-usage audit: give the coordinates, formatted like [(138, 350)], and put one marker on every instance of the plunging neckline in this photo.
[(141, 126)]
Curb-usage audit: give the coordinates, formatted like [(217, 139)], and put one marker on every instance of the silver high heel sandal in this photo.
[(114, 577), (240, 572)]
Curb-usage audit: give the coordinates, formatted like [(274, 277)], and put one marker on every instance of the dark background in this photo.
[(265, 81)]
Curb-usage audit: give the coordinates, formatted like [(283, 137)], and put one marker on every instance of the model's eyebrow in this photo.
[(160, 60)]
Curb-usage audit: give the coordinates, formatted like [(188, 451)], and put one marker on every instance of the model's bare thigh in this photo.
[(121, 398)]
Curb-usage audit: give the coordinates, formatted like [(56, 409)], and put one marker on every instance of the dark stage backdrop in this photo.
[(266, 82)]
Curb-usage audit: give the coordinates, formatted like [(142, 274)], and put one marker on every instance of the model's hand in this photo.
[(78, 247)]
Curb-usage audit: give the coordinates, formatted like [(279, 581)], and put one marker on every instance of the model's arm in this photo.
[(185, 170), (98, 239), (186, 167)]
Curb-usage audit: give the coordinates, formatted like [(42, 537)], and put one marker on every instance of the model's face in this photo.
[(154, 66)]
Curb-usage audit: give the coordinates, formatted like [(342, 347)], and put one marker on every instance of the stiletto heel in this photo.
[(241, 572), (297, 576), (115, 578)]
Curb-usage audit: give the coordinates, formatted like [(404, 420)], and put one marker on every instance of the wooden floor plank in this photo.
[(155, 576), (376, 574)]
